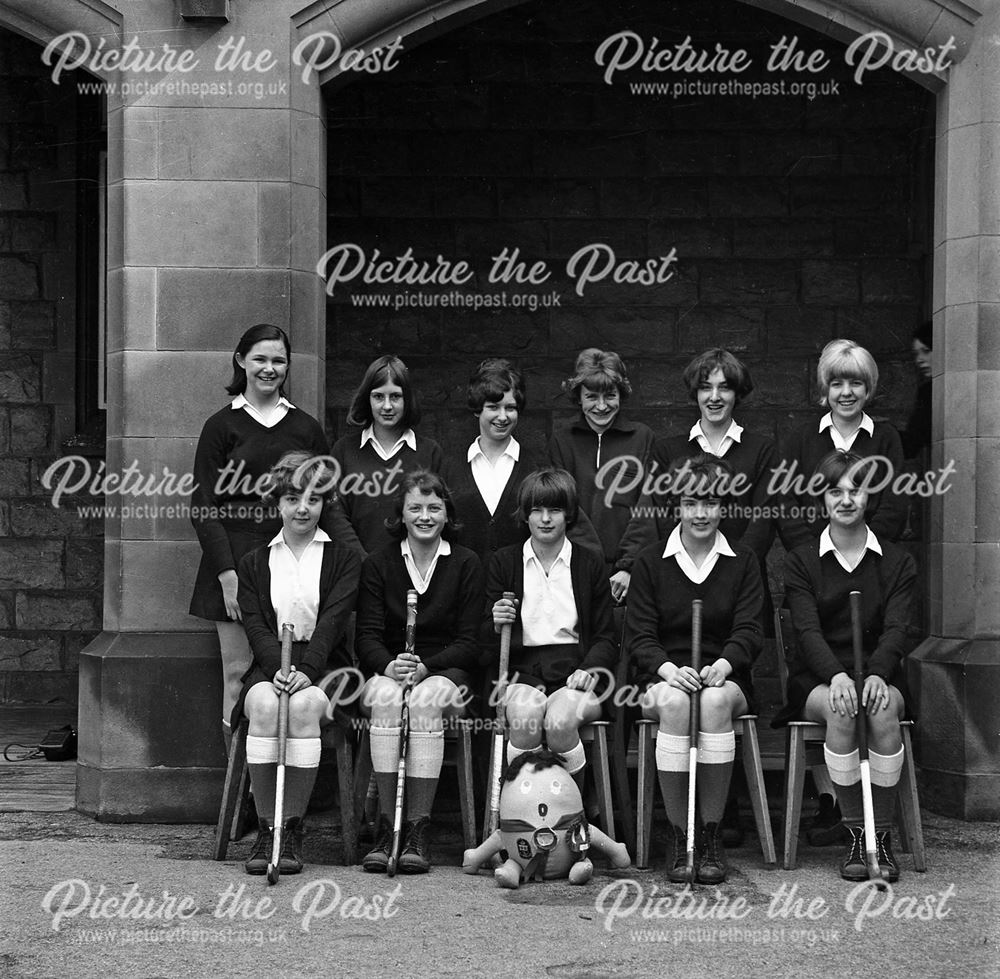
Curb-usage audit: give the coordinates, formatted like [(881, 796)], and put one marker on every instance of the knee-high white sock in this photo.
[(673, 762), (885, 771), (845, 773)]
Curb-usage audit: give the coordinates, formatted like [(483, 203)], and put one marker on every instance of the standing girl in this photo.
[(238, 446), (371, 466), (449, 583), (599, 437), (848, 380)]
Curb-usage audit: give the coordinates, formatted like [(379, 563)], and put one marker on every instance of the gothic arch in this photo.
[(910, 23)]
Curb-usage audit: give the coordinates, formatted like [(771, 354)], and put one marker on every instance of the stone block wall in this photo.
[(51, 560), (795, 220)]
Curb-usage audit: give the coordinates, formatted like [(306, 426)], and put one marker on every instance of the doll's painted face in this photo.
[(845, 503), (600, 407), (424, 516), (498, 419), (266, 364), (300, 512)]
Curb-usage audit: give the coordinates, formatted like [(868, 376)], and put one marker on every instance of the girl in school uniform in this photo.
[(563, 651), (848, 380), (373, 463), (600, 435), (696, 562), (303, 578), (819, 577), (236, 450), (448, 580), (485, 479)]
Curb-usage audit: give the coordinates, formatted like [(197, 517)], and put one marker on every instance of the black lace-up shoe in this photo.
[(260, 854), (852, 865), (290, 861), (677, 856), (377, 859), (886, 859), (712, 866), (415, 858)]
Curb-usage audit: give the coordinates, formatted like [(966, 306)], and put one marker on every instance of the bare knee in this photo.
[(716, 707), (381, 700), (305, 712), (525, 711)]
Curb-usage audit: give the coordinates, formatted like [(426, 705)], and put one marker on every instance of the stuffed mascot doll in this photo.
[(543, 831)]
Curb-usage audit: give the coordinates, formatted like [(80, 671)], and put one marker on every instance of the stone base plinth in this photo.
[(151, 747), (955, 686)]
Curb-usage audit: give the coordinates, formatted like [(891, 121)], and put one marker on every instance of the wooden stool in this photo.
[(457, 752), (802, 750), (236, 789), (745, 728)]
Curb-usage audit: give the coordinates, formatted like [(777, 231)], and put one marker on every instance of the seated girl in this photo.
[(819, 577), (562, 643), (305, 579), (449, 582), (696, 562)]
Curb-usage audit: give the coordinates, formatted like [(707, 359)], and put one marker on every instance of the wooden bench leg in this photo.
[(362, 776), (909, 807), (795, 777), (602, 779), (623, 790), (345, 786), (232, 793), (466, 793), (758, 792), (645, 796)]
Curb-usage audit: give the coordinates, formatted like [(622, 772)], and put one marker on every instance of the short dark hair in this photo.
[(834, 466), (599, 370), (925, 334), (387, 369), (549, 488), (734, 370), (541, 758), (701, 476), (427, 483), (256, 334), (491, 380), (298, 471)]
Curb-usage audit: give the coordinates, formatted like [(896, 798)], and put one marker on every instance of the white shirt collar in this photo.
[(564, 555), (513, 450), (443, 548), (319, 537), (407, 438), (867, 424), (733, 434), (719, 546), (272, 418), (240, 401), (826, 545)]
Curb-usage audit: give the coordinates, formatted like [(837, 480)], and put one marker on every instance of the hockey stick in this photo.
[(871, 856), (500, 731), (404, 733), (273, 868), (693, 734)]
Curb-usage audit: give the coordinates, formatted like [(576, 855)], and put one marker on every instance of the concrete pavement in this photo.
[(83, 899)]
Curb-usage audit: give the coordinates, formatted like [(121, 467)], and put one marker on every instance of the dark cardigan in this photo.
[(485, 533), (807, 446), (448, 613), (816, 593), (659, 614), (591, 596), (327, 649)]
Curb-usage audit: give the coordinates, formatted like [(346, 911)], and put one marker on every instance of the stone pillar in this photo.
[(216, 218), (955, 673)]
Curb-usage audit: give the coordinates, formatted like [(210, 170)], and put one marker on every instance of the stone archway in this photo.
[(911, 23)]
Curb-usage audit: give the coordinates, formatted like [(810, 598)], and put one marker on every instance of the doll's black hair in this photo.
[(541, 758)]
